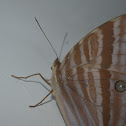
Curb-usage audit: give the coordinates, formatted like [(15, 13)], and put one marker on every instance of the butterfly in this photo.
[(90, 83)]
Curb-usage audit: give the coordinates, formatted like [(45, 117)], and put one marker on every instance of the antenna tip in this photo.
[(13, 76), (35, 18)]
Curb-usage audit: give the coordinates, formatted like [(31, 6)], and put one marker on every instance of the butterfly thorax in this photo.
[(55, 75)]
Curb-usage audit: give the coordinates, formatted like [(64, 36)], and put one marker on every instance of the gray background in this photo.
[(24, 51)]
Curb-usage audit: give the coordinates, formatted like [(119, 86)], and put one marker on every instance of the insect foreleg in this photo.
[(46, 80)]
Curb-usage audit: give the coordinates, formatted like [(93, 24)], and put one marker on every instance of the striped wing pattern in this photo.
[(89, 72)]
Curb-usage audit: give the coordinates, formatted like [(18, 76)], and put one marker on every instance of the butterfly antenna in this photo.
[(46, 36), (62, 45)]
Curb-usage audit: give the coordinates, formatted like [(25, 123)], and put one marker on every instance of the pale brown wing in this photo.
[(94, 90), (90, 71), (105, 46)]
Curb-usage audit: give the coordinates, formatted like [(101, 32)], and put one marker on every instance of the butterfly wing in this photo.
[(89, 72)]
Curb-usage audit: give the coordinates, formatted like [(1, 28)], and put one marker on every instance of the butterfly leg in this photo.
[(46, 80), (42, 100)]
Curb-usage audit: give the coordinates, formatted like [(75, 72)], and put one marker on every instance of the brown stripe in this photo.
[(77, 57), (86, 49), (107, 35)]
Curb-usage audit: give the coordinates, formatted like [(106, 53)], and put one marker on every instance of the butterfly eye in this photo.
[(120, 86)]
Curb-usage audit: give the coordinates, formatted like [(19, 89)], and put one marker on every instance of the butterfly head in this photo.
[(55, 64)]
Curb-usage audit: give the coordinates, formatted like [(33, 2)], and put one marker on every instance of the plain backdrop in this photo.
[(24, 51)]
